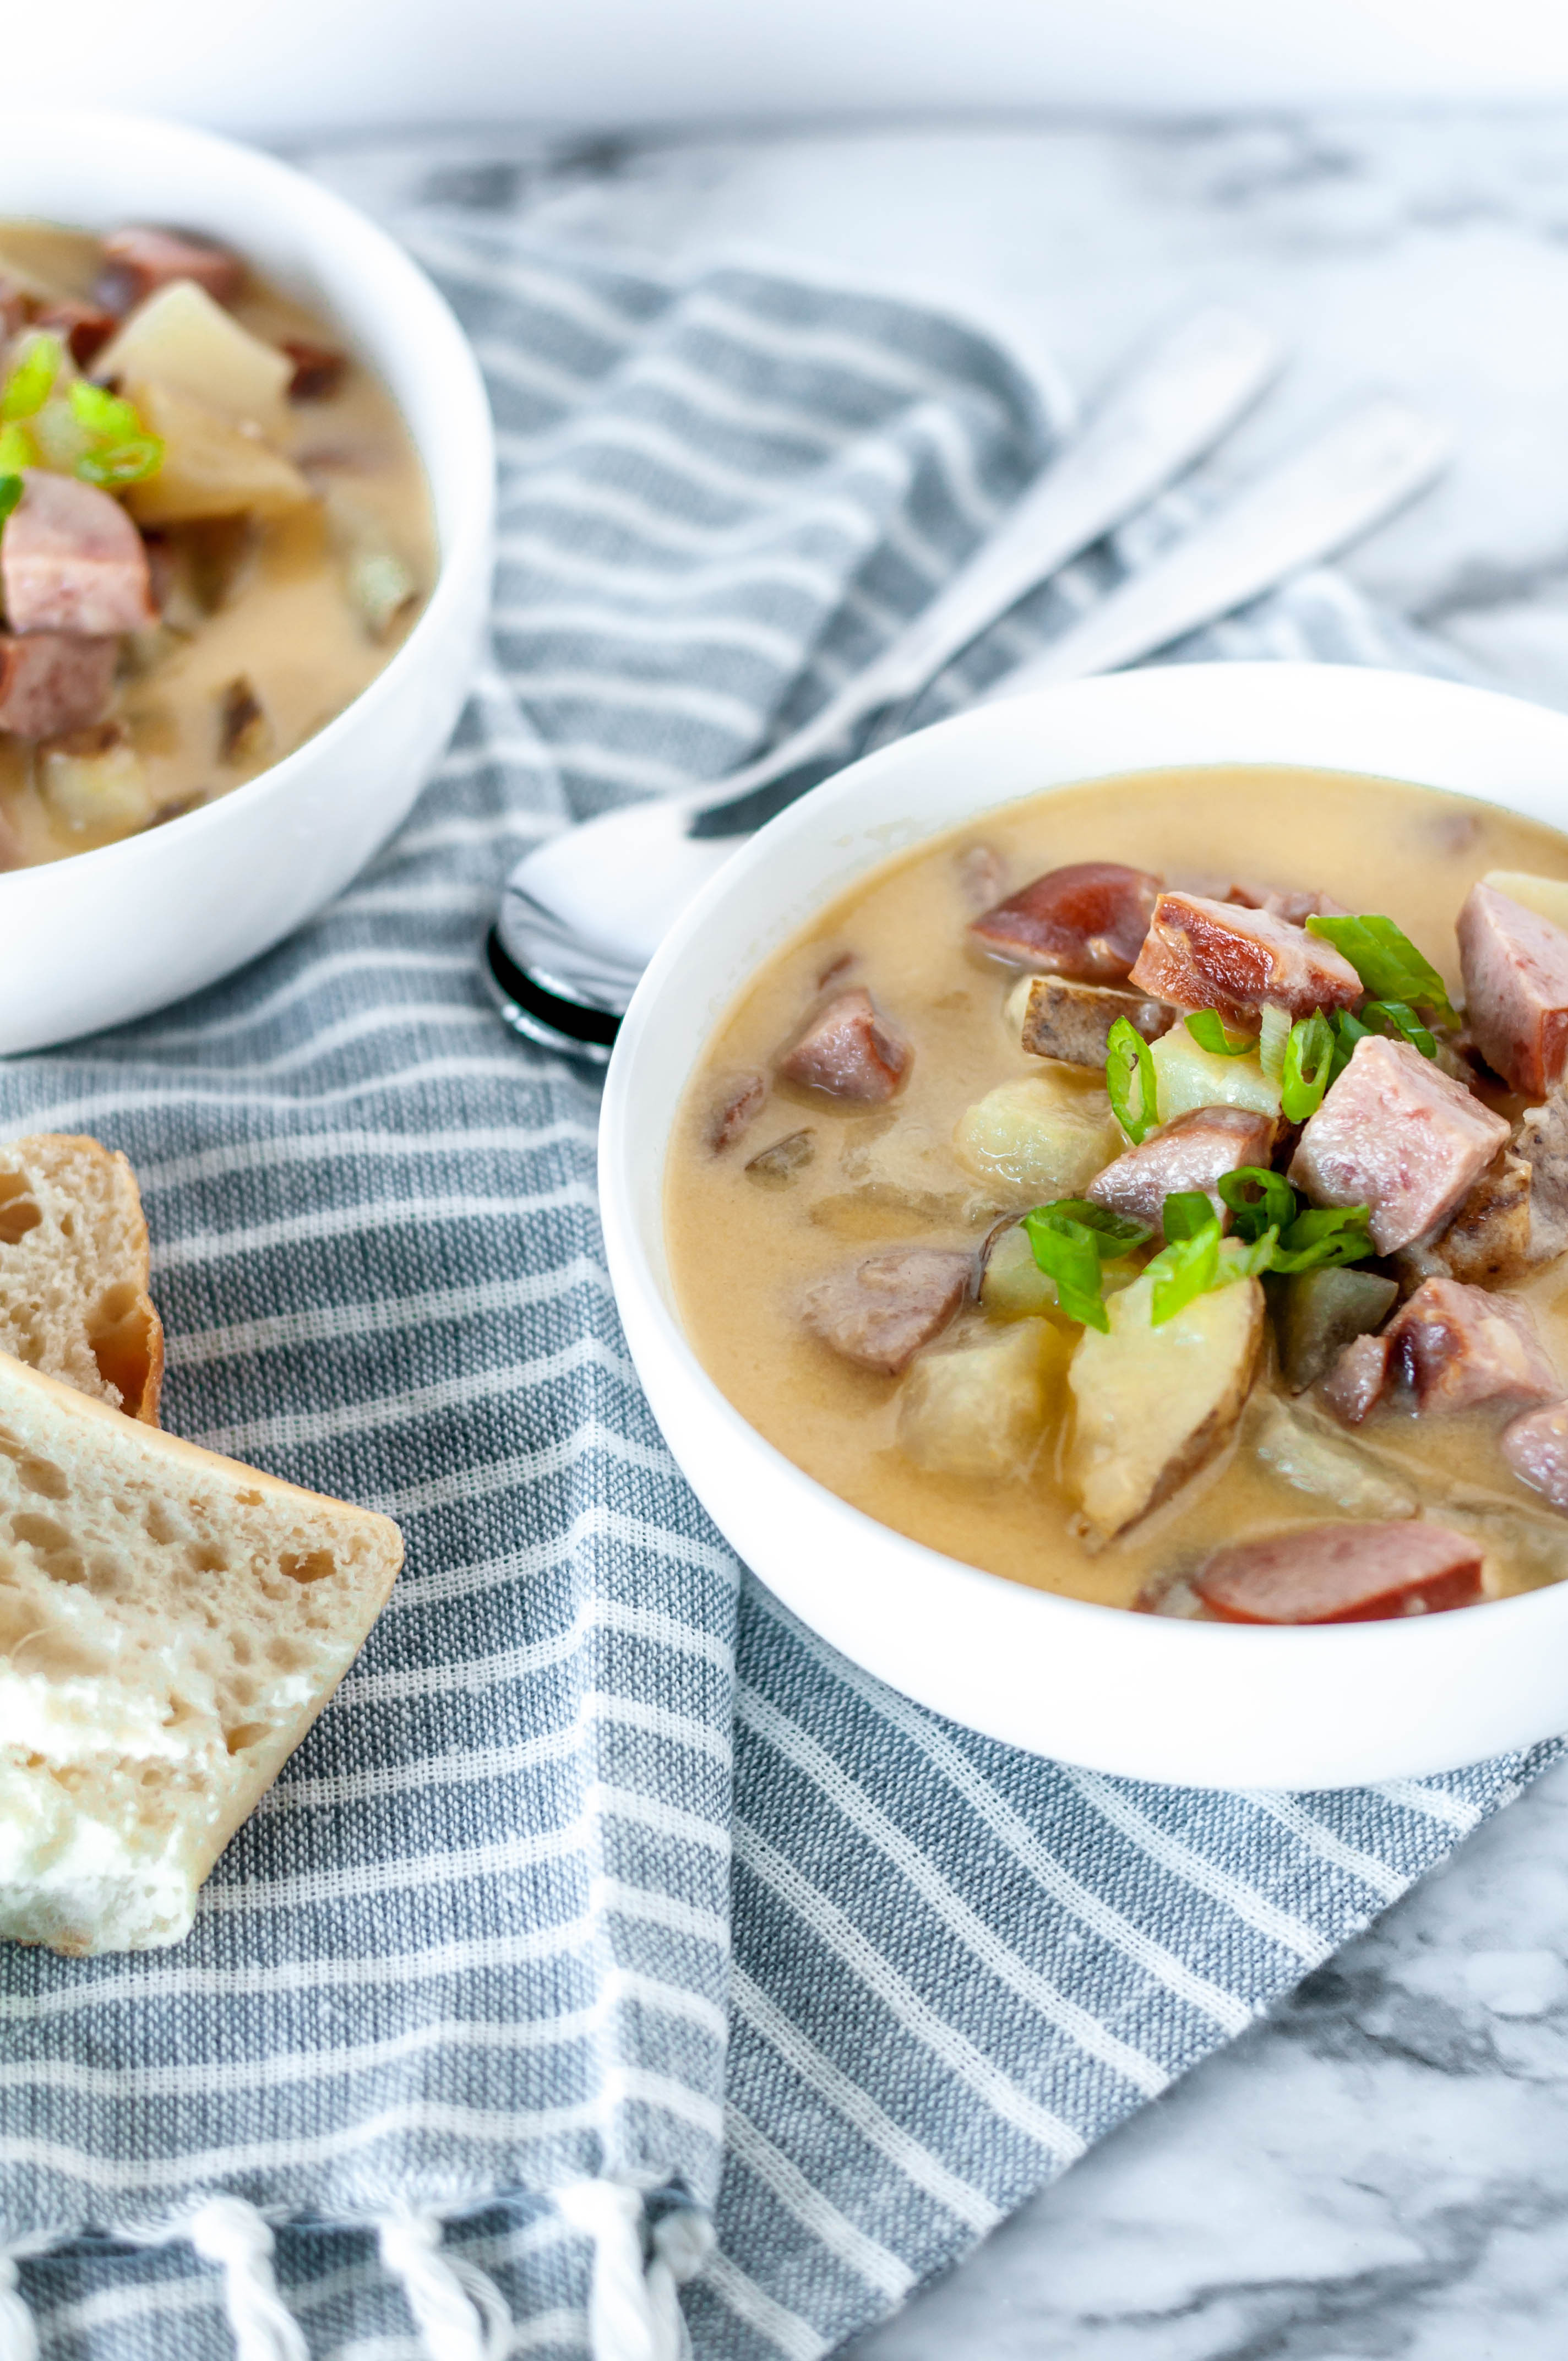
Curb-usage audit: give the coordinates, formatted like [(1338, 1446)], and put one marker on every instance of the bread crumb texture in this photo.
[(74, 1271), (170, 1625)]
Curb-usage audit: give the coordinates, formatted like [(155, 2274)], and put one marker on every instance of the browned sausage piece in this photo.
[(1397, 1133), (1341, 1573), (1536, 1448), (82, 328), (1457, 1345), (740, 1099), (70, 560), (49, 683), (318, 371), (137, 262), (1087, 920), (879, 1313), (1204, 954), (849, 1052), (1516, 989), (1356, 1383), (1192, 1152)]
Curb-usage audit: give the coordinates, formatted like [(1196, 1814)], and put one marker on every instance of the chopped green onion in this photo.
[(1128, 1059), (17, 450), (1185, 1213), (1323, 1237), (1189, 1265), (1274, 1031), (1115, 1234), (1390, 965), (1069, 1252), (1399, 1016), (31, 382), (1250, 1261), (1348, 1031), (10, 493), (1258, 1200), (1210, 1034), (1309, 1054), (131, 462), (103, 413)]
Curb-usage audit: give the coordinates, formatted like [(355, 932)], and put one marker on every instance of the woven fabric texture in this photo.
[(600, 1868)]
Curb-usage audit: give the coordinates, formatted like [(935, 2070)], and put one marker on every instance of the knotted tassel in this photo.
[(635, 2308), (458, 2308), (232, 2233), (18, 2337)]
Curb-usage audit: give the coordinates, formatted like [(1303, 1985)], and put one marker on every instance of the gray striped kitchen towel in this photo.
[(614, 1966)]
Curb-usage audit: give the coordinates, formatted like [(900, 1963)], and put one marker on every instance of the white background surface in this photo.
[(281, 67)]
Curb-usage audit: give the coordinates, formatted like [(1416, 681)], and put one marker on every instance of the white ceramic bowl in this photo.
[(1212, 1705), (109, 934)]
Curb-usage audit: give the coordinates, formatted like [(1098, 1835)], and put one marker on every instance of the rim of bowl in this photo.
[(462, 550), (627, 1254)]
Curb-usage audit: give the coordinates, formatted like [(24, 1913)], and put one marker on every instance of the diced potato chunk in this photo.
[(1153, 1404), (1042, 1137), (94, 779), (1305, 1452), (1547, 896), (180, 339), (211, 467), (979, 1411), (1318, 1312), (1189, 1077), (1013, 1287)]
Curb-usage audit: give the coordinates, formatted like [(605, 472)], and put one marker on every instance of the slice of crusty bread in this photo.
[(170, 1625), (73, 1271)]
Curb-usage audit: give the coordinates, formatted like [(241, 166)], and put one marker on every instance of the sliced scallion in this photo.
[(1397, 1017), (31, 382), (1309, 1054), (1323, 1237), (1130, 1081), (1390, 965), (1258, 1200), (1187, 1266), (1210, 1034), (10, 493), (1274, 1031)]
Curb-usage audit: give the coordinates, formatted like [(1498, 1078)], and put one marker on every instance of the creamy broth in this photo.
[(261, 602), (741, 1252)]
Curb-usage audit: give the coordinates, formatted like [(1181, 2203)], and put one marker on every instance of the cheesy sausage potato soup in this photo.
[(1158, 1191), (213, 530)]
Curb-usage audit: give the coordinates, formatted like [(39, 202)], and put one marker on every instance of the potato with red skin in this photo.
[(1341, 1573), (1087, 920)]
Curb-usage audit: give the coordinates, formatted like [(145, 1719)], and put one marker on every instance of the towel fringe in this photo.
[(18, 2336), (634, 2307), (231, 2233), (458, 2308)]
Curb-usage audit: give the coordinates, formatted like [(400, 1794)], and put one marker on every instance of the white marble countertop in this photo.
[(1382, 2168)]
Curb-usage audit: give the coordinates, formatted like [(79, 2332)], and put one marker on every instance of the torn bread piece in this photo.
[(73, 1271), (170, 1625)]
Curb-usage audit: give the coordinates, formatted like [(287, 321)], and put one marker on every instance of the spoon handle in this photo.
[(1174, 406), (1353, 475)]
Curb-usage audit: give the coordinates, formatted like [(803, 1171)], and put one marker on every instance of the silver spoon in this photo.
[(565, 978), (574, 934)]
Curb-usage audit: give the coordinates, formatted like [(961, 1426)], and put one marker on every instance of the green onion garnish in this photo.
[(1210, 1034), (1274, 1031), (30, 383), (1399, 1017), (131, 462), (1323, 1237), (10, 493), (1189, 1265), (17, 450), (1348, 1031), (103, 413), (1127, 1060), (1390, 965), (1258, 1200), (1115, 1234), (1069, 1252), (1308, 1053)]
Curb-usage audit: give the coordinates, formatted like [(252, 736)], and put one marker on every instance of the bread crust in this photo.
[(123, 1330)]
